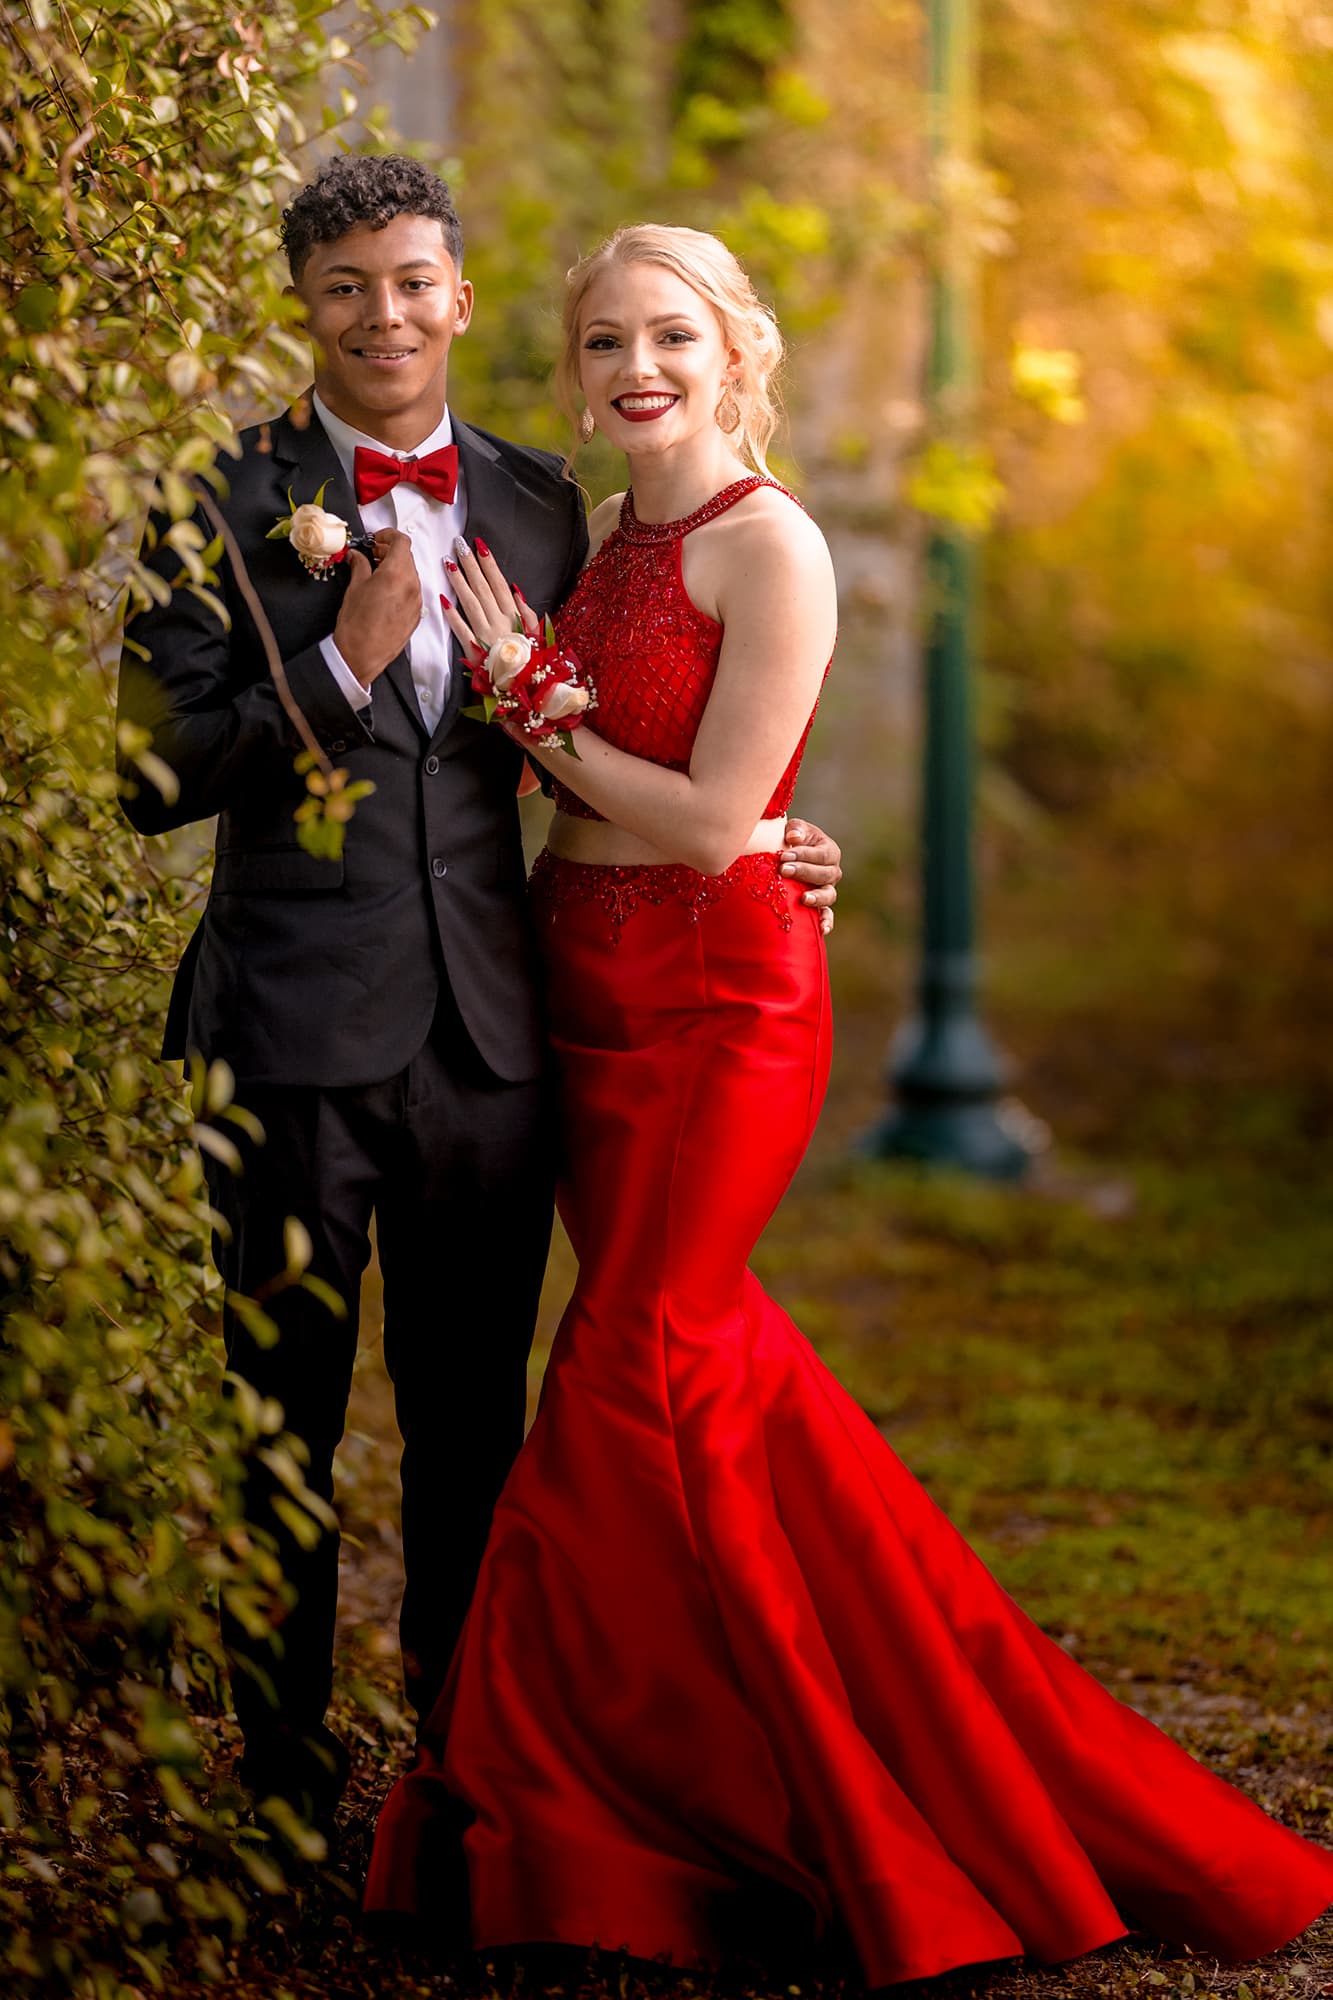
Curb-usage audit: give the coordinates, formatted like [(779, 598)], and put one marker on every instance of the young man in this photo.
[(380, 1011)]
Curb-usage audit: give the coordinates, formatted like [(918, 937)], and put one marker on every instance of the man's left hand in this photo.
[(810, 856)]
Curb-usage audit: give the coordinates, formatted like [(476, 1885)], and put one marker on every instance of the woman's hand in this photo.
[(479, 604)]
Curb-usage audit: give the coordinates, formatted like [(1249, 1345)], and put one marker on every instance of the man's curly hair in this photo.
[(362, 190)]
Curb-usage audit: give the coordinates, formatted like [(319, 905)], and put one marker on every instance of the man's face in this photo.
[(382, 308)]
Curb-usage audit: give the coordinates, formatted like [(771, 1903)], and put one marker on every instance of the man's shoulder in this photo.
[(257, 441), (278, 461), (528, 463), (260, 464)]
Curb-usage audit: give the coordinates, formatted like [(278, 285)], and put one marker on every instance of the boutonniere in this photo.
[(320, 539)]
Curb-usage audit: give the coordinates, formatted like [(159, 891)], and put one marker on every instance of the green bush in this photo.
[(144, 151)]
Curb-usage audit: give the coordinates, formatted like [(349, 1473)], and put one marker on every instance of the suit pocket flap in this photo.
[(274, 871)]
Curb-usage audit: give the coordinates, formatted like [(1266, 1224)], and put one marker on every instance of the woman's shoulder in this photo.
[(771, 519), (603, 521), (752, 557), (772, 501)]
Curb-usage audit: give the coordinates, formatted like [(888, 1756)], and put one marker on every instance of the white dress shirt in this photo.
[(433, 528)]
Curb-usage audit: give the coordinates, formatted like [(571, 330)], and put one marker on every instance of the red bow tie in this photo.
[(377, 474)]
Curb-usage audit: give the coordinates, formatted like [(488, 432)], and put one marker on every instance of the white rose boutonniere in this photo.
[(320, 539), (318, 534)]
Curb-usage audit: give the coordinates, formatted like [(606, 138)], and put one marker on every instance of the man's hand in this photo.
[(381, 608), (810, 856)]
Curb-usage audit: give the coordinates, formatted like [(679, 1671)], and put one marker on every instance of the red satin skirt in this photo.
[(730, 1677)]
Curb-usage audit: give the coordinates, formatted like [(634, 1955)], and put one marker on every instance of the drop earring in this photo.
[(587, 428), (728, 412)]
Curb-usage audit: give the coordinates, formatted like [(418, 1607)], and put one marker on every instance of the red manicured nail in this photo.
[(482, 549), (446, 603), (451, 567), (519, 595)]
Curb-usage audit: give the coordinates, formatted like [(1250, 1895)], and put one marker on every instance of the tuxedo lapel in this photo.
[(490, 488), (306, 447), (300, 440)]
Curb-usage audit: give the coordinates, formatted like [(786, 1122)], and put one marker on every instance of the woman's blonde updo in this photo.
[(710, 269)]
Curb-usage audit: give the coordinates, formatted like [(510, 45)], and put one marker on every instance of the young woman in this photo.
[(728, 1673)]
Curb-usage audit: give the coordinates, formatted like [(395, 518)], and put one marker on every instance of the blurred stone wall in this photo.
[(420, 90)]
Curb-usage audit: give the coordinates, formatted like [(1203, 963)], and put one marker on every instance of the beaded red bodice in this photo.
[(651, 651)]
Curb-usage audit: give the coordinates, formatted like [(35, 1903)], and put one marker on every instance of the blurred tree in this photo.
[(1172, 272), (1159, 618)]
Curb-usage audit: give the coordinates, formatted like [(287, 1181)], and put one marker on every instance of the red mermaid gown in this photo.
[(726, 1660)]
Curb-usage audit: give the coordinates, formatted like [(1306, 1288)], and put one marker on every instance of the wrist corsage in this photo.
[(320, 539), (541, 689)]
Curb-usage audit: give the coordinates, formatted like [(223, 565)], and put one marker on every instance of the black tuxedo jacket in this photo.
[(309, 971)]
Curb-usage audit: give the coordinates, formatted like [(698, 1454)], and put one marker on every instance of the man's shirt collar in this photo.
[(345, 439)]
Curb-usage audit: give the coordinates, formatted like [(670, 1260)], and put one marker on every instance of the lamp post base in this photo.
[(947, 1079), (998, 1140)]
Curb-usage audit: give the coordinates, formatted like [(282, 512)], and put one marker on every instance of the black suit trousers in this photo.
[(456, 1165)]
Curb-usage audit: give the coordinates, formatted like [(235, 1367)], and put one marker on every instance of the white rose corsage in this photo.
[(541, 688), (320, 539)]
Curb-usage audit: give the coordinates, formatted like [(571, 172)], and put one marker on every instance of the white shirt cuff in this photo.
[(358, 697)]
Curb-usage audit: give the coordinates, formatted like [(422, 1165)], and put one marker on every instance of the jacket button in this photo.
[(439, 869), (432, 765), (336, 749)]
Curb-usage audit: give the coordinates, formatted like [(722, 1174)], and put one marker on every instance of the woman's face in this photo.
[(653, 362)]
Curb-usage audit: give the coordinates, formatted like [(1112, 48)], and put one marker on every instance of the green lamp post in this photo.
[(945, 1073)]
